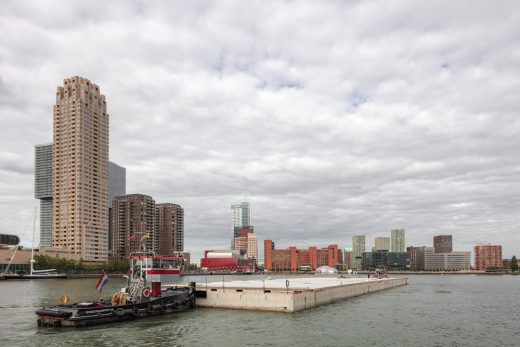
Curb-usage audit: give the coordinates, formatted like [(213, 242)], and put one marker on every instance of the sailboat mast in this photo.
[(32, 248)]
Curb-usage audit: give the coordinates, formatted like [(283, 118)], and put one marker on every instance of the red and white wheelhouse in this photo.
[(155, 269)]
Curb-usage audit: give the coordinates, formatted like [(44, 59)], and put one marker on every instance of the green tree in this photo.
[(46, 262), (41, 262), (514, 264)]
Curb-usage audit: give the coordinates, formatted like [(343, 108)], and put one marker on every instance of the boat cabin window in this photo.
[(140, 266), (166, 264)]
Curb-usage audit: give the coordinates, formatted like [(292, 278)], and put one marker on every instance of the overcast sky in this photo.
[(330, 118)]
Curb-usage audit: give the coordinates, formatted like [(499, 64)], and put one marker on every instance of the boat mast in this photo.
[(11, 260), (32, 248)]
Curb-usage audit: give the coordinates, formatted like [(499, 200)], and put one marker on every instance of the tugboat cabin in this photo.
[(156, 269)]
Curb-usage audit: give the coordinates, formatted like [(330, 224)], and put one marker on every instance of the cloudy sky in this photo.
[(330, 118)]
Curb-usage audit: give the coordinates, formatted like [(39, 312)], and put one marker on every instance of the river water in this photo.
[(433, 310)]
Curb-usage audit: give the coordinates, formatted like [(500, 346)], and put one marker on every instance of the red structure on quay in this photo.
[(226, 261)]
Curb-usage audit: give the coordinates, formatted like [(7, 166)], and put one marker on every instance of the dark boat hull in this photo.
[(172, 300)]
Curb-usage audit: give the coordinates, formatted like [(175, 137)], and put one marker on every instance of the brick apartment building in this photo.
[(488, 257), (292, 258)]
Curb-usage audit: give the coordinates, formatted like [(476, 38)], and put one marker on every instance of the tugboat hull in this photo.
[(86, 314)]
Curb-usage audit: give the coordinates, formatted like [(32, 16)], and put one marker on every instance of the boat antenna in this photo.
[(32, 248)]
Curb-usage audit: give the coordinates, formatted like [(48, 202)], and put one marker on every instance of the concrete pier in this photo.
[(288, 295)]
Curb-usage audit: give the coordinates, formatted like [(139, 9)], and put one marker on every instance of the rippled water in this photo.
[(431, 311)]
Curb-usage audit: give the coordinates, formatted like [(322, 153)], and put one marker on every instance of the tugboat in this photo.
[(143, 296)]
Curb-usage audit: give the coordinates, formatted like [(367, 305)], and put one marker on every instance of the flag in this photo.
[(103, 279), (132, 237), (145, 236)]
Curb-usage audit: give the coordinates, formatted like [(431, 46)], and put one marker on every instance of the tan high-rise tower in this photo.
[(80, 175)]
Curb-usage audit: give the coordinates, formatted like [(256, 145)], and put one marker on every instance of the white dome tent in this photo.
[(326, 270)]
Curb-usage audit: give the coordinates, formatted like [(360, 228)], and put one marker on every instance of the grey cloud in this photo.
[(15, 164)]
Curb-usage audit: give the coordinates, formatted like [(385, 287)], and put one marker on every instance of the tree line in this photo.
[(45, 262)]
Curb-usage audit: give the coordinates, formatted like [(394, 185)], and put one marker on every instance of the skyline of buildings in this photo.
[(414, 258), (422, 258), (387, 251), (75, 213), (76, 185), (439, 258), (133, 222), (138, 219), (43, 190)]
